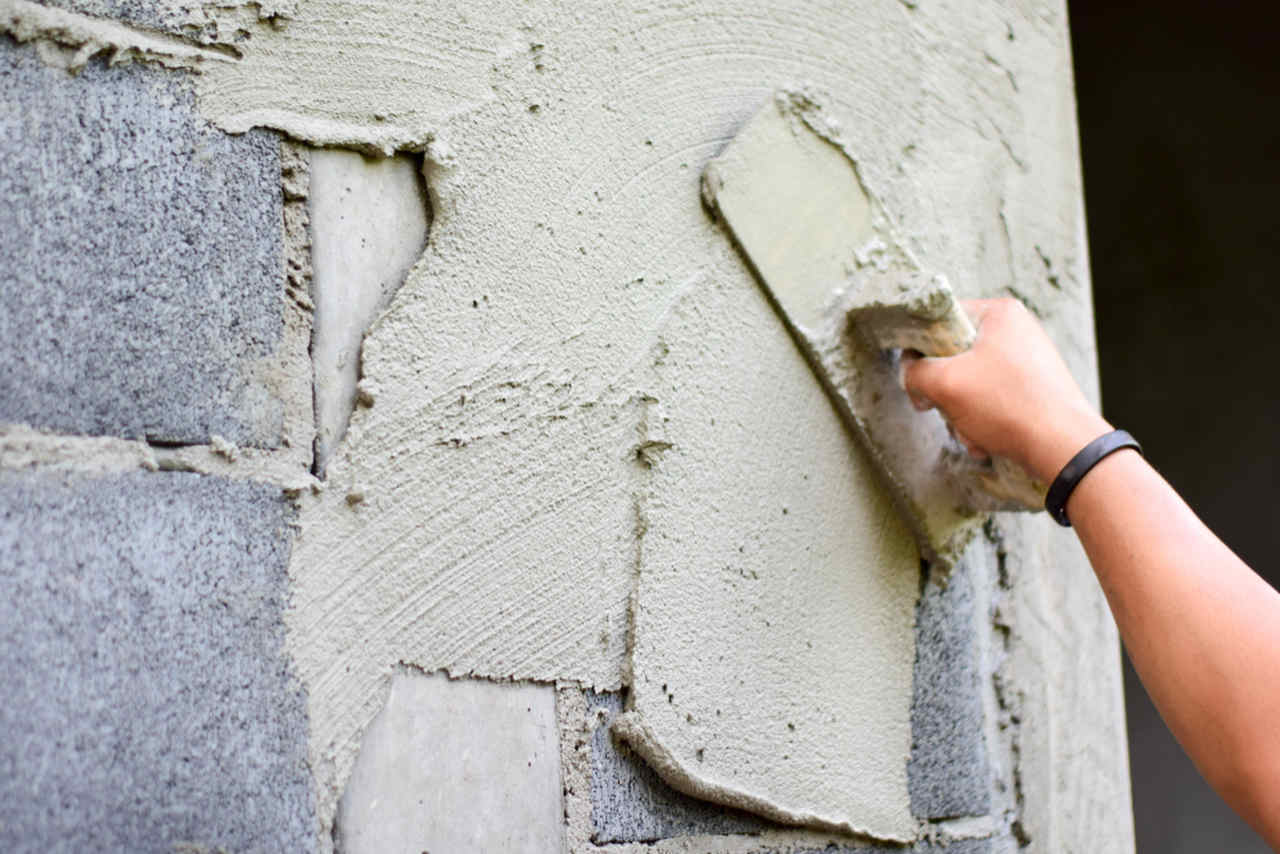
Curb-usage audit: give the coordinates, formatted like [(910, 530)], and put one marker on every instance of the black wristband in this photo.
[(1073, 472)]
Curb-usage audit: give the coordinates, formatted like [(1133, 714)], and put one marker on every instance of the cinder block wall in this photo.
[(167, 274)]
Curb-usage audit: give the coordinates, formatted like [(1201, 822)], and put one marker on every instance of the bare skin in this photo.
[(1202, 629)]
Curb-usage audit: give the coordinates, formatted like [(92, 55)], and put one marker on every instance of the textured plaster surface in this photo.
[(490, 489), (771, 617), (464, 765), (1059, 691), (369, 219), (610, 791), (482, 515), (149, 703), (142, 273)]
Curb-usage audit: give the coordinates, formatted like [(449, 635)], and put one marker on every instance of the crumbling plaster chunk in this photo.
[(456, 765), (141, 276)]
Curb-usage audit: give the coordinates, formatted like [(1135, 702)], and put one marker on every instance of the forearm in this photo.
[(1202, 629)]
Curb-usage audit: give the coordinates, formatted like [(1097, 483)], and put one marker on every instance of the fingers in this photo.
[(923, 379), (918, 400)]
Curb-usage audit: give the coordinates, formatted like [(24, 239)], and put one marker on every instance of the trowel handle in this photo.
[(912, 311), (918, 311)]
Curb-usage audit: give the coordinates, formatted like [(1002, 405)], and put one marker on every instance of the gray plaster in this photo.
[(630, 803), (141, 273), (948, 773), (148, 703)]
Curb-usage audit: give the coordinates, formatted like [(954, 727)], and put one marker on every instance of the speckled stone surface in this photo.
[(948, 774), (141, 274), (148, 701)]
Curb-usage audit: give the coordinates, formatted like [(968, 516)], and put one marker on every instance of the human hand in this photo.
[(1011, 394)]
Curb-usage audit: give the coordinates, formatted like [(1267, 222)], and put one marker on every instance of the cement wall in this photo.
[(385, 416)]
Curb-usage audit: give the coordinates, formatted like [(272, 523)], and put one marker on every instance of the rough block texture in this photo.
[(141, 278), (948, 773), (145, 13), (148, 704), (964, 846), (630, 803), (172, 16)]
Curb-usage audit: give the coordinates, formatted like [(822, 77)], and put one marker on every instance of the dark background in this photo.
[(1179, 105)]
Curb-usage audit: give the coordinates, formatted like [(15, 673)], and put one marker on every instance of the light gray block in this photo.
[(141, 274), (948, 773), (630, 803), (456, 765), (369, 221), (148, 703)]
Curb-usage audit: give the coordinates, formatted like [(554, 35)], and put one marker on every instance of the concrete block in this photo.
[(148, 703), (948, 772), (369, 221), (141, 274), (964, 846), (456, 765), (630, 803)]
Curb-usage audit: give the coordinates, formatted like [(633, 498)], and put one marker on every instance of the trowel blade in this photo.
[(797, 208)]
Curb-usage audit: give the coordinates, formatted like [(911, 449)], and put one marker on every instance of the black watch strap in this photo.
[(1073, 472)]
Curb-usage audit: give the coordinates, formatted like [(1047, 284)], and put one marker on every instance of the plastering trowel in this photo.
[(853, 299)]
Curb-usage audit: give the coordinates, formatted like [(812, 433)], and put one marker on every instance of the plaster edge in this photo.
[(89, 37), (630, 727), (70, 40)]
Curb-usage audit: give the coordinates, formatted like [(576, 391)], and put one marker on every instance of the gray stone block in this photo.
[(966, 846), (630, 803), (948, 774), (179, 18), (141, 274), (148, 703)]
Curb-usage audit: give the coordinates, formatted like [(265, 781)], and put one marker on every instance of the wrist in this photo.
[(1052, 448)]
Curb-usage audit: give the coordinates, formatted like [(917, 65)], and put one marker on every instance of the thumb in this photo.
[(922, 377)]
